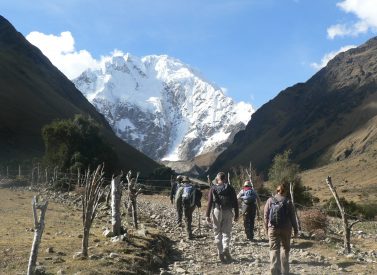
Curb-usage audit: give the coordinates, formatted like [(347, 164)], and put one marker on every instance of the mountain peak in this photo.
[(162, 106)]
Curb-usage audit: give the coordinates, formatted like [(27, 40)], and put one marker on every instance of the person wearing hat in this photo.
[(173, 198), (188, 196), (249, 200)]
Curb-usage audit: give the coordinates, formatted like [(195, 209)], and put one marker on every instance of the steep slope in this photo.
[(33, 93), (163, 107), (314, 119)]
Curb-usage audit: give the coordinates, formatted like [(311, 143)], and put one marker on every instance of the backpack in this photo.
[(223, 196), (249, 196), (188, 195), (278, 215)]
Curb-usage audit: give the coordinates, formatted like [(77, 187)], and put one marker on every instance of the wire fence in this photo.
[(53, 177)]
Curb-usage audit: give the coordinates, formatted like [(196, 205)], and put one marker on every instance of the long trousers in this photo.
[(249, 212), (280, 243), (222, 228)]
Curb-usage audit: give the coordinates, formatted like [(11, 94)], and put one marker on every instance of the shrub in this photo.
[(314, 221), (284, 171), (354, 210), (368, 211), (332, 209)]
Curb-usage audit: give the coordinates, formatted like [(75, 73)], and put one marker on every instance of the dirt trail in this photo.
[(199, 256)]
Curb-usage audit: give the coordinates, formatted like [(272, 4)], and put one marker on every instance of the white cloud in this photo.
[(62, 53), (328, 56), (366, 12)]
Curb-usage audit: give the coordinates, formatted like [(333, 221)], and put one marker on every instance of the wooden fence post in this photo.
[(346, 227), (38, 174), (46, 175), (291, 190), (19, 171), (38, 231), (32, 176), (116, 196), (132, 196)]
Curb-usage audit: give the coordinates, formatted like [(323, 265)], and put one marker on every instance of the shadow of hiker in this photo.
[(302, 245)]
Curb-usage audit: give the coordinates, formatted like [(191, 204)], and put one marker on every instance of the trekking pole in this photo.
[(229, 179), (209, 181), (200, 231), (291, 189)]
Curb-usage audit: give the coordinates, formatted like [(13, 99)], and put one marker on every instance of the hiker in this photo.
[(189, 196), (133, 192), (178, 203), (249, 200), (222, 200), (279, 219)]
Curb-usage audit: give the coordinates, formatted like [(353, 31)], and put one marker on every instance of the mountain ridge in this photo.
[(310, 118), (34, 93)]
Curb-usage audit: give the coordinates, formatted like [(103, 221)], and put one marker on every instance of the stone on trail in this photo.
[(180, 270), (40, 270), (118, 239), (107, 233), (114, 255), (50, 250), (78, 256)]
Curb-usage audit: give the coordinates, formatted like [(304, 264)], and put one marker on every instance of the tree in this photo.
[(284, 171), (76, 144)]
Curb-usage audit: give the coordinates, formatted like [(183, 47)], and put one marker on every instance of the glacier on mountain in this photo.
[(162, 106)]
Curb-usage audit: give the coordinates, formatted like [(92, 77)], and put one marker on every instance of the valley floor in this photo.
[(139, 253)]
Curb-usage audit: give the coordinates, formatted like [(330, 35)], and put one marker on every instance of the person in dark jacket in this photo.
[(178, 203), (189, 196), (222, 200), (279, 230)]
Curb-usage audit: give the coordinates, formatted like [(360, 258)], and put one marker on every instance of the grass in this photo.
[(355, 179), (63, 227)]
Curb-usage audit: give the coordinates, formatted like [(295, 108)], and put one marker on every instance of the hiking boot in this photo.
[(221, 257), (227, 256)]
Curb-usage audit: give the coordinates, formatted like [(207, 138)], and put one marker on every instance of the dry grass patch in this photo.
[(63, 233)]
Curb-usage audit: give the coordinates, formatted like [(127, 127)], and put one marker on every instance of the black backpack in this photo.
[(223, 196), (278, 215)]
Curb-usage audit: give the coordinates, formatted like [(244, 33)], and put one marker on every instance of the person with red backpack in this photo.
[(279, 219), (222, 200), (249, 200)]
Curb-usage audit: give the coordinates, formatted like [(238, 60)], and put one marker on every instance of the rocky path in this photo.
[(198, 256)]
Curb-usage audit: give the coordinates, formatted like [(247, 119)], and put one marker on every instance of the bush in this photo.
[(284, 171), (368, 211), (354, 210), (314, 221)]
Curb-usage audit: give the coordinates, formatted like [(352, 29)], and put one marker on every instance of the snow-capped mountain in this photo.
[(163, 107)]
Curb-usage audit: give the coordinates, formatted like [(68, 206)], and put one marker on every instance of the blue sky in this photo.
[(253, 48)]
